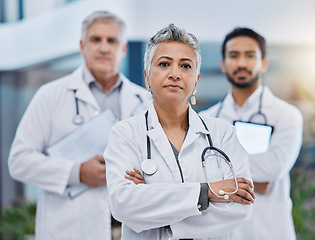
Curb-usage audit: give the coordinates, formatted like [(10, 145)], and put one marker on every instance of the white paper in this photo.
[(84, 143), (255, 138)]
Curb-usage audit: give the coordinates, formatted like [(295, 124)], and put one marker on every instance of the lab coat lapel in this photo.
[(129, 100), (160, 141), (83, 92), (196, 128)]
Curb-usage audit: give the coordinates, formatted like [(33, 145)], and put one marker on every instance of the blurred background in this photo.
[(39, 42)]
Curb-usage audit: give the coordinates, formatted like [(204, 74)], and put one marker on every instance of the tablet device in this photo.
[(254, 137)]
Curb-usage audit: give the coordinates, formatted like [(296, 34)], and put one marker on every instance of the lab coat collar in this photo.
[(253, 99), (160, 140), (130, 101), (83, 92)]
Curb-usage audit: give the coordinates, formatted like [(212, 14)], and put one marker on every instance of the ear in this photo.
[(146, 80), (223, 68), (81, 47), (197, 81), (124, 49), (264, 65)]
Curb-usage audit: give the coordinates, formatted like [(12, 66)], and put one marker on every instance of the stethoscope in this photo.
[(78, 119), (253, 115), (149, 166)]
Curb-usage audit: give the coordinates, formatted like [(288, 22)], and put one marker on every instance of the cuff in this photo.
[(203, 201), (75, 174)]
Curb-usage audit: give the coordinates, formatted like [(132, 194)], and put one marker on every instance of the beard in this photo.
[(248, 84)]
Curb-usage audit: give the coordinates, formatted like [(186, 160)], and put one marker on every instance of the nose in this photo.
[(241, 62), (104, 47), (174, 74)]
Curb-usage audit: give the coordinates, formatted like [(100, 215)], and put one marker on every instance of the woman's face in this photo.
[(173, 75)]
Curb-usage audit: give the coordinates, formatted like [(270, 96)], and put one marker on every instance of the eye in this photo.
[(112, 40), (186, 66), (164, 64), (232, 56), (251, 55), (95, 39)]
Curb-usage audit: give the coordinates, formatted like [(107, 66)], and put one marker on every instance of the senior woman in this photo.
[(165, 146)]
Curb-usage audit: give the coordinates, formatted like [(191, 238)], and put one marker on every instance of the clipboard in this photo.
[(84, 143), (254, 137)]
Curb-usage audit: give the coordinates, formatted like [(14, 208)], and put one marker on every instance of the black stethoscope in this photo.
[(253, 115), (149, 166), (78, 119)]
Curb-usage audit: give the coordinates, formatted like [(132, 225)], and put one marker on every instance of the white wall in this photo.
[(56, 33)]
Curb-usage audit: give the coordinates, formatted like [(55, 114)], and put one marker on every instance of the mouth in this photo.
[(173, 87), (102, 58), (242, 73)]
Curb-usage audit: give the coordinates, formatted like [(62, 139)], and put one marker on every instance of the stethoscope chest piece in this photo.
[(149, 166), (78, 120)]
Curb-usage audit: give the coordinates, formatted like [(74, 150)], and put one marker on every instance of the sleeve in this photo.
[(220, 218), (283, 151), (163, 204), (27, 162)]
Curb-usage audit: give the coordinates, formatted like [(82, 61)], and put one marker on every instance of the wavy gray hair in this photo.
[(104, 16), (168, 34)]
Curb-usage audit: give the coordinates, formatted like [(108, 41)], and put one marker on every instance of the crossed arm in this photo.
[(244, 195)]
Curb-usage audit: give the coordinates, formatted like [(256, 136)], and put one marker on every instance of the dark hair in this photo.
[(238, 32)]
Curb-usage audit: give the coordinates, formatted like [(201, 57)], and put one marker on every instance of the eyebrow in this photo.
[(182, 59), (249, 51)]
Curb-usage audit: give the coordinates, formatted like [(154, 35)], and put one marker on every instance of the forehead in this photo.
[(174, 50), (242, 44), (104, 28)]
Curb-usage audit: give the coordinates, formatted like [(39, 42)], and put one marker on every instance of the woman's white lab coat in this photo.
[(146, 209), (47, 119)]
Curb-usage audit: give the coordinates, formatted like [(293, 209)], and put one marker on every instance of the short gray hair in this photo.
[(103, 16), (168, 34)]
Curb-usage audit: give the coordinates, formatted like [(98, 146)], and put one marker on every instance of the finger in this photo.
[(239, 199), (246, 181), (245, 195), (247, 188), (134, 180), (138, 174), (137, 171)]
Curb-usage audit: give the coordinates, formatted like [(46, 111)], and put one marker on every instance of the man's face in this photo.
[(243, 64), (103, 48)]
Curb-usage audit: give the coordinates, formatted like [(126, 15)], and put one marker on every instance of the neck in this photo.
[(105, 80), (240, 95), (171, 117)]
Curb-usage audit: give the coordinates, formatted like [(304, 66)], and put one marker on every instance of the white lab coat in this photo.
[(146, 209), (47, 119), (272, 217)]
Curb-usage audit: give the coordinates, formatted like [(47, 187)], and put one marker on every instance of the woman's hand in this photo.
[(244, 195), (135, 176)]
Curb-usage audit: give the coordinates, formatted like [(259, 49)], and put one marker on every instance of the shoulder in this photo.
[(133, 125), (284, 109), (210, 112), (52, 90)]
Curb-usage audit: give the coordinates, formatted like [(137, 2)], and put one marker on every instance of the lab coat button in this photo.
[(96, 113)]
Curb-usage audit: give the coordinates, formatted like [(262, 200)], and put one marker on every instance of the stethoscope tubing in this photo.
[(253, 115), (222, 194)]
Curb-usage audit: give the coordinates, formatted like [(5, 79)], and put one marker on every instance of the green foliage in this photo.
[(303, 198), (18, 222)]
